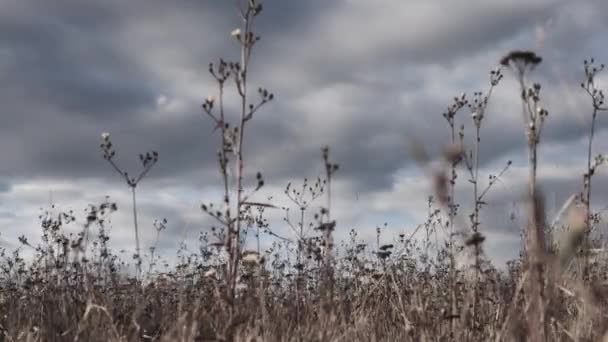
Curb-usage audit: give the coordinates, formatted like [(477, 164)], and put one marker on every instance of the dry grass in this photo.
[(76, 288)]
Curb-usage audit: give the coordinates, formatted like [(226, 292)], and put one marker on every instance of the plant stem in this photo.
[(136, 231), (242, 77)]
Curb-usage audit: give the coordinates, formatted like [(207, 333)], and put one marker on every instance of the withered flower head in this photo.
[(521, 57), (453, 153), (475, 240)]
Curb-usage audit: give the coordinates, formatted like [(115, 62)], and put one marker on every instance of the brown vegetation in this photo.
[(76, 288)]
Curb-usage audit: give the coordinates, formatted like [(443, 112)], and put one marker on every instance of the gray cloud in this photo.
[(362, 77)]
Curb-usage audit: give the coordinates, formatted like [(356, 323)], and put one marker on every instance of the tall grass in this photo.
[(308, 287)]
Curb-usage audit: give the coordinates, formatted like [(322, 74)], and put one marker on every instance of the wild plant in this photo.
[(534, 115), (159, 226), (302, 198), (596, 96), (326, 226), (445, 186), (478, 106), (231, 154), (148, 161)]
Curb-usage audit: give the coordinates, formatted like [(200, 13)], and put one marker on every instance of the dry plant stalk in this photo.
[(533, 114), (148, 161), (597, 101), (232, 142)]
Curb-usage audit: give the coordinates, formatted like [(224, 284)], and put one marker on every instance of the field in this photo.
[(434, 283)]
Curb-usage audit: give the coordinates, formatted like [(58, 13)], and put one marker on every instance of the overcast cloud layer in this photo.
[(364, 77)]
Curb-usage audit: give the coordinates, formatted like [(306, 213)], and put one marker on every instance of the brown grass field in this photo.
[(76, 288)]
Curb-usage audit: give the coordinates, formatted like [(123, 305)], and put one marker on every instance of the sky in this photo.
[(362, 77)]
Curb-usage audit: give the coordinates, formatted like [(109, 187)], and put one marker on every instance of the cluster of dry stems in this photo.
[(303, 289)]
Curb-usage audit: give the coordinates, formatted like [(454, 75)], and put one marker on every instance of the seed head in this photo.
[(521, 57), (453, 152), (251, 258)]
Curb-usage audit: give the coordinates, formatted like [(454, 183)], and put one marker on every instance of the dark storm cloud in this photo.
[(70, 66), (359, 37), (68, 75), (72, 63), (62, 76), (360, 76), (5, 186)]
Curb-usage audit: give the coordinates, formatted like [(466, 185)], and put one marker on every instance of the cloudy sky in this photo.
[(364, 77)]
